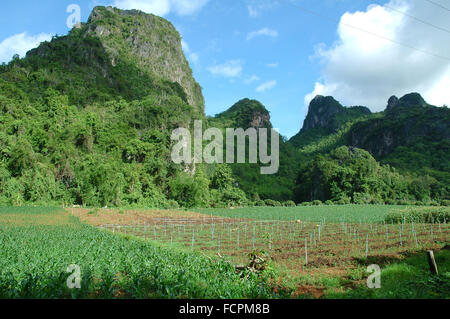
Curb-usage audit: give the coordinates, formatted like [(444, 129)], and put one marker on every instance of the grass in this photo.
[(35, 256), (338, 213), (409, 278)]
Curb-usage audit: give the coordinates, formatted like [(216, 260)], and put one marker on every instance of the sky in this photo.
[(281, 52)]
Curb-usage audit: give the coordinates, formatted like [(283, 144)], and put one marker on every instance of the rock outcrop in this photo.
[(149, 41), (246, 113)]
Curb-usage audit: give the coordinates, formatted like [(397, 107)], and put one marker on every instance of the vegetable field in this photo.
[(294, 243), (38, 245), (234, 253), (302, 245)]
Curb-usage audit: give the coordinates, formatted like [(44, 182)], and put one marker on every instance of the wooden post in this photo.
[(306, 251), (432, 262)]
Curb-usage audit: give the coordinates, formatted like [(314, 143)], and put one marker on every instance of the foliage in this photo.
[(353, 175), (82, 125), (419, 215), (337, 213), (112, 266), (409, 278)]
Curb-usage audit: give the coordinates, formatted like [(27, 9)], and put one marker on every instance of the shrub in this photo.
[(289, 203), (317, 203), (329, 202), (305, 204), (391, 202), (419, 215), (445, 202), (260, 203), (272, 203)]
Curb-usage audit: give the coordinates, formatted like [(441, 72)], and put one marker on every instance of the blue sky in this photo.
[(274, 52)]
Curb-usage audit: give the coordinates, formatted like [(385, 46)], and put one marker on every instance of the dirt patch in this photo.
[(56, 219), (309, 291), (102, 217)]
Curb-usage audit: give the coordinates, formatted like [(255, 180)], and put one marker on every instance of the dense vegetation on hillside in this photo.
[(279, 187), (76, 128), (410, 135), (348, 175), (87, 118)]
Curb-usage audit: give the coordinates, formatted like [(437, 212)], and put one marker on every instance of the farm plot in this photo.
[(294, 243), (39, 244), (308, 253)]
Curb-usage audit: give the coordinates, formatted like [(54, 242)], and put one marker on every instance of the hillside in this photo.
[(86, 118), (251, 113), (326, 116), (410, 135), (116, 54)]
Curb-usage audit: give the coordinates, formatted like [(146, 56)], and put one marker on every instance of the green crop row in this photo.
[(419, 215), (338, 213), (34, 261)]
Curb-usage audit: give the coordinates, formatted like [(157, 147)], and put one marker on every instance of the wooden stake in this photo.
[(306, 251), (432, 262)]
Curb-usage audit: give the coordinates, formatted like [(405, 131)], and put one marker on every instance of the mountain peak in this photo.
[(413, 99), (247, 113), (408, 100), (321, 112), (147, 41)]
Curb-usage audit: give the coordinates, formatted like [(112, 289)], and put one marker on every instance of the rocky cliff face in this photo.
[(327, 113), (150, 42), (244, 114), (325, 116), (409, 100), (321, 112), (406, 121)]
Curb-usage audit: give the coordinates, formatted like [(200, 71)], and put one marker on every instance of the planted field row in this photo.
[(299, 243), (38, 246)]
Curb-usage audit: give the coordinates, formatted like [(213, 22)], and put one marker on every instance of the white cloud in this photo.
[(272, 65), (20, 44), (266, 86), (229, 69), (263, 32), (360, 69), (192, 56), (252, 79), (257, 7), (162, 7)]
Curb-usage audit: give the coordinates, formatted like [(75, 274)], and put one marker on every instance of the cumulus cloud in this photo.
[(229, 69), (266, 86), (360, 69), (20, 44), (262, 32), (162, 7), (253, 78)]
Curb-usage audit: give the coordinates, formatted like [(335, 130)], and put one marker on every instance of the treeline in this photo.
[(350, 175)]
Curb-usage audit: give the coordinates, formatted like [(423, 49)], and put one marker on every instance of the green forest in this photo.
[(82, 125)]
